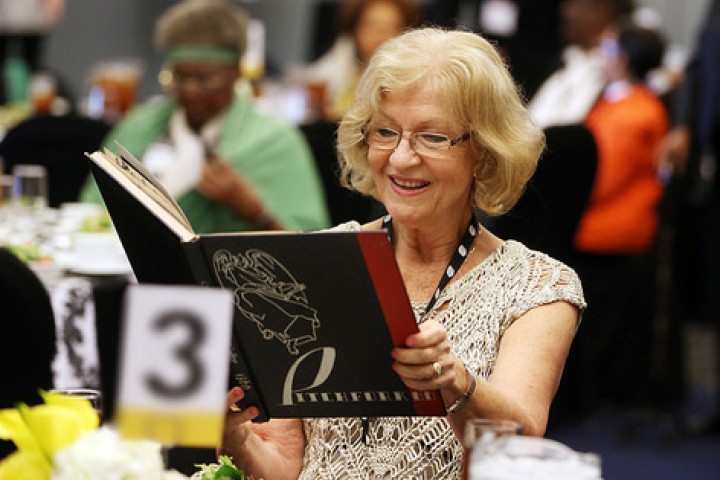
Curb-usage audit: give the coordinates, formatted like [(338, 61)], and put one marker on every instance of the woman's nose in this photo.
[(405, 152)]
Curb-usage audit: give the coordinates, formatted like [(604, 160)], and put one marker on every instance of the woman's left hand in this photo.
[(219, 181), (427, 361)]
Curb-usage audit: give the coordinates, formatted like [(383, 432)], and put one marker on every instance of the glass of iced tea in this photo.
[(117, 82)]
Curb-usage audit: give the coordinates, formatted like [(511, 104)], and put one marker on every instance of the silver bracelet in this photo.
[(460, 402)]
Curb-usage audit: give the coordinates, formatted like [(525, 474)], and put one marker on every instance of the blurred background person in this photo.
[(526, 31), (363, 25), (567, 95), (27, 83), (611, 358), (24, 25), (229, 167), (690, 152)]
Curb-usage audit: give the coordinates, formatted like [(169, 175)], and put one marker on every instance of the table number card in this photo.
[(174, 364)]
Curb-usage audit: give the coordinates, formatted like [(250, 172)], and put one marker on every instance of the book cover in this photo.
[(316, 314)]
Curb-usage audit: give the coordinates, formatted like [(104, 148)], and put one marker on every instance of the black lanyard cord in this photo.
[(461, 253)]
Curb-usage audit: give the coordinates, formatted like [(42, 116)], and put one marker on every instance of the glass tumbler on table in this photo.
[(479, 432), (92, 395), (520, 457), (30, 186)]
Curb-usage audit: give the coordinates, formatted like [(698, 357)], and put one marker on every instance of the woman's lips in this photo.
[(406, 186)]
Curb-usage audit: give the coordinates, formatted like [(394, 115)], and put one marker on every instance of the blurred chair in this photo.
[(58, 143), (546, 218), (547, 215), (27, 336), (343, 204)]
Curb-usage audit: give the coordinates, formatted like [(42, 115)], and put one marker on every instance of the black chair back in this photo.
[(58, 144), (547, 215)]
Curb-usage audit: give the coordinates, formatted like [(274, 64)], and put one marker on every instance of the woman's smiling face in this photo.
[(421, 190)]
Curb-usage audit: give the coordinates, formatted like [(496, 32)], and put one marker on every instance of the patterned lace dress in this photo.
[(476, 309)]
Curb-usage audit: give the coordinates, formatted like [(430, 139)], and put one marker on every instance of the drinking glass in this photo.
[(6, 217), (114, 86), (30, 186), (482, 431), (520, 458), (6, 189), (92, 395), (42, 93)]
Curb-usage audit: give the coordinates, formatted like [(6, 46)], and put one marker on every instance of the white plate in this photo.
[(101, 268)]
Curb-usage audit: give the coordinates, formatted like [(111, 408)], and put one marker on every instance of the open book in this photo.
[(316, 314)]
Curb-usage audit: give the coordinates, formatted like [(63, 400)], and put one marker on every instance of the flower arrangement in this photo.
[(40, 431), (60, 439), (224, 470)]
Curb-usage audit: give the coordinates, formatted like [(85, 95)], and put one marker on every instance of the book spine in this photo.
[(240, 374), (395, 304)]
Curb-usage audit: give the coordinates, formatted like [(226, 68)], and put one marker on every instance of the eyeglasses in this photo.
[(425, 144)]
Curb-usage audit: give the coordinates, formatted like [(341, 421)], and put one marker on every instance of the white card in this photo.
[(174, 364)]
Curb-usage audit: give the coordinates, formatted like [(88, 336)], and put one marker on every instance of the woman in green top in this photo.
[(229, 167)]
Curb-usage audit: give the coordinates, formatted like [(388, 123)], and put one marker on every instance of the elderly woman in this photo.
[(437, 131), (229, 167)]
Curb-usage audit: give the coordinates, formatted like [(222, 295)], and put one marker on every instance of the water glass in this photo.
[(519, 458), (482, 431), (92, 395), (6, 189), (30, 186)]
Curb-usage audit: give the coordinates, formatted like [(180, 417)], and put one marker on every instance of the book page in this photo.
[(134, 177)]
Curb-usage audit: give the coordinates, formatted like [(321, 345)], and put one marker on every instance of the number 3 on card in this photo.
[(174, 365)]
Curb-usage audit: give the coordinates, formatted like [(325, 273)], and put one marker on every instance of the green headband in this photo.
[(203, 54)]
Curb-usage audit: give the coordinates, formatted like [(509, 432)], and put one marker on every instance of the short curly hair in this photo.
[(216, 23), (470, 77)]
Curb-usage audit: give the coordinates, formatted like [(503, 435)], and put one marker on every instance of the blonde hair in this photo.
[(468, 76), (214, 23)]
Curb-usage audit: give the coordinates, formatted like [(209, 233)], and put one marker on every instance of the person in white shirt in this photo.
[(566, 96)]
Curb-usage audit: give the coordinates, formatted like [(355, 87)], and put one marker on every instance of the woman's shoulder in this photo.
[(540, 273), (512, 251)]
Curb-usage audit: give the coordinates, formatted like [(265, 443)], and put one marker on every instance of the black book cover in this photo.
[(317, 314)]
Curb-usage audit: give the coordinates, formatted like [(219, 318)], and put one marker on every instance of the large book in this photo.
[(316, 313)]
